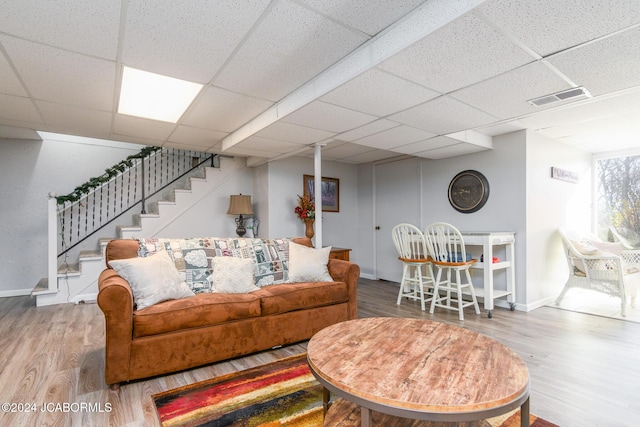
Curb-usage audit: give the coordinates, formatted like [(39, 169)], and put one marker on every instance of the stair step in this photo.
[(42, 288)]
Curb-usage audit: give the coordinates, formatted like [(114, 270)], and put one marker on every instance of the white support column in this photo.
[(52, 244), (317, 168)]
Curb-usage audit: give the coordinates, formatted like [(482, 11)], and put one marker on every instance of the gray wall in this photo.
[(30, 171)]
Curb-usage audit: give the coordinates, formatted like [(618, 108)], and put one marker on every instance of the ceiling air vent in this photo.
[(575, 92)]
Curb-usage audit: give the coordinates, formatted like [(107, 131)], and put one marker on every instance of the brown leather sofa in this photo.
[(180, 334)]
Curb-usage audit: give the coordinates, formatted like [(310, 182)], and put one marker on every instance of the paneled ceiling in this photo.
[(366, 79)]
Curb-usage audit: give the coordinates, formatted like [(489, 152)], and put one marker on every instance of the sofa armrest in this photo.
[(349, 273), (116, 302)]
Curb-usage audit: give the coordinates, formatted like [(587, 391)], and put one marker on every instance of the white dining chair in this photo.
[(417, 274), (449, 256)]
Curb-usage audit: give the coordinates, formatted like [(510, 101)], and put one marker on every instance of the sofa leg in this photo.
[(115, 387)]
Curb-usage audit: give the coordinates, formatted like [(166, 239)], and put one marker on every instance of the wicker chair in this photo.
[(610, 269)]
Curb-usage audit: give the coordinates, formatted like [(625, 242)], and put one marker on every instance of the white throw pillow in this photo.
[(152, 279), (308, 264), (233, 275)]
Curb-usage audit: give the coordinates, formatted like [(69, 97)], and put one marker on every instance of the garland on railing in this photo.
[(109, 173)]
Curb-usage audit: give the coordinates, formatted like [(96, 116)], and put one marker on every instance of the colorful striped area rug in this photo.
[(282, 393)]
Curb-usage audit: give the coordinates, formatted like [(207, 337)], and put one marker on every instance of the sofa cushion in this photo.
[(152, 280), (297, 296), (204, 309), (308, 264), (193, 257), (233, 275)]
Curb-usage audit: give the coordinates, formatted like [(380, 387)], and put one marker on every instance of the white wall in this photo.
[(208, 217), (285, 184), (30, 171), (552, 203)]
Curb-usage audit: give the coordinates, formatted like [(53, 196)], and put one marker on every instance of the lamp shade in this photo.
[(240, 204)]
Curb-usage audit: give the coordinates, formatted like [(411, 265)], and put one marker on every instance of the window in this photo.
[(618, 198)]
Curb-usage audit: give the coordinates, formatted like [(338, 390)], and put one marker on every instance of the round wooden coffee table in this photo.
[(419, 369)]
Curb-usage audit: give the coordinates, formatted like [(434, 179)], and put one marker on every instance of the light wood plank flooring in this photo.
[(585, 370)]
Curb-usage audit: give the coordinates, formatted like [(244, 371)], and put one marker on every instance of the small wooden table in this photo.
[(419, 369), (340, 253)]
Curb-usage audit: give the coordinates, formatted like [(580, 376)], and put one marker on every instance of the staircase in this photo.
[(77, 282)]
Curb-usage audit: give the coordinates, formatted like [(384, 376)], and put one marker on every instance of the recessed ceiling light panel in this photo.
[(574, 92), (154, 96)]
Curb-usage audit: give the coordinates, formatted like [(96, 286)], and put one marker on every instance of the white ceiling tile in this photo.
[(219, 109), (501, 128), (586, 110), (379, 93), (443, 115), (201, 137), (604, 66), (236, 150), (76, 121), (370, 156), (462, 53), (506, 95), (63, 77), (18, 108), (89, 27), (187, 40), (368, 16), (142, 128), (345, 150), (9, 83), (451, 151), (427, 144), (290, 46), (549, 26), (394, 137), (332, 118), (294, 133), (191, 146), (368, 129), (260, 144)]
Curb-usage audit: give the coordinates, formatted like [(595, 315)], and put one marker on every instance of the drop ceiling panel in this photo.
[(394, 137), (549, 26), (265, 144), (370, 156), (604, 66), (427, 144), (368, 16), (76, 121), (290, 46), (89, 27), (443, 115), (451, 151), (63, 77), (141, 128), (294, 133), (187, 40), (344, 150), (9, 83), (368, 129), (332, 118), (462, 53), (585, 111), (19, 108), (221, 110), (379, 93), (602, 130), (506, 95), (202, 138)]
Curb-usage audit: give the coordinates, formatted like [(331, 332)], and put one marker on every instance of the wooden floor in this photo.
[(585, 369)]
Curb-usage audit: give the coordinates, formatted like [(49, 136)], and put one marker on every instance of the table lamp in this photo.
[(240, 205)]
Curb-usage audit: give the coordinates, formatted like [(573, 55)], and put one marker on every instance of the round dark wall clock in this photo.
[(468, 191)]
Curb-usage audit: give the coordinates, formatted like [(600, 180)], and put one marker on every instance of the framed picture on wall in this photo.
[(330, 192)]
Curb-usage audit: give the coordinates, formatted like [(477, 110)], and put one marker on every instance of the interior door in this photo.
[(397, 200)]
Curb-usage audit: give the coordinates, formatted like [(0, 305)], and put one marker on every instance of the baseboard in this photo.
[(15, 293)]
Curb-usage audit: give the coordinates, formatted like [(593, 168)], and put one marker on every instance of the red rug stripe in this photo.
[(209, 394)]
